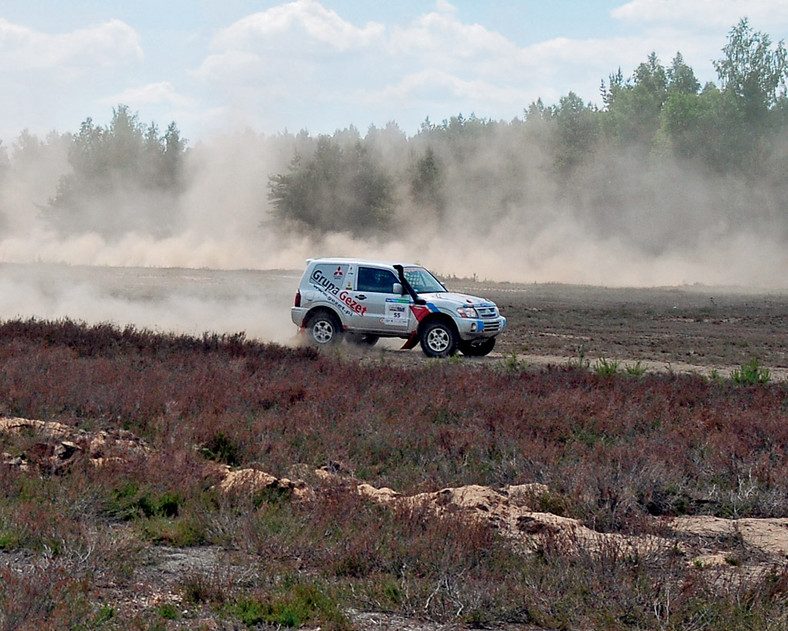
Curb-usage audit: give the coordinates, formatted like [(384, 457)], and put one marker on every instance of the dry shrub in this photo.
[(44, 597), (618, 448)]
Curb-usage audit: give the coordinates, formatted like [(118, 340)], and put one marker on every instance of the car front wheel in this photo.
[(438, 339)]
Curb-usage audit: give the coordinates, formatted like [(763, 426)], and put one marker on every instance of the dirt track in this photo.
[(695, 326), (687, 328)]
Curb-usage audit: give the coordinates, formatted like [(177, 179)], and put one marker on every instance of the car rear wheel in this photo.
[(324, 328), (478, 347), (438, 339)]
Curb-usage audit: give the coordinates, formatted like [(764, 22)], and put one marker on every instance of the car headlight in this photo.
[(467, 312)]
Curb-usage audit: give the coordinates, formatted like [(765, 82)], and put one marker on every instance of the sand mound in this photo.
[(51, 448)]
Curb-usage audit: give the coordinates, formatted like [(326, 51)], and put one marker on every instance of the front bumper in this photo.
[(472, 328)]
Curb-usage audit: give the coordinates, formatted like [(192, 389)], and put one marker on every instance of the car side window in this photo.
[(377, 280)]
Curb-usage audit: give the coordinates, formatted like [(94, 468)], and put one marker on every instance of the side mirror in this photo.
[(398, 289)]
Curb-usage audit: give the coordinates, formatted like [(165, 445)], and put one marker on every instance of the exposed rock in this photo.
[(14, 462), (712, 560), (525, 494), (58, 446), (52, 447), (252, 481), (246, 481), (767, 535), (526, 529), (50, 429)]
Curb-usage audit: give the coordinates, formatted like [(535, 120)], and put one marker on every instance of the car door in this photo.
[(385, 311)]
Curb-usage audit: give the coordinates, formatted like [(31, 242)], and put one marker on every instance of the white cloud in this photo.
[(441, 35), (162, 92), (269, 57), (302, 51), (301, 64), (444, 6), (691, 15), (575, 57), (52, 81), (228, 66), (296, 23), (107, 44), (436, 85)]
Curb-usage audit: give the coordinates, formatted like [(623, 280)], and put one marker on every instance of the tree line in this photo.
[(632, 165)]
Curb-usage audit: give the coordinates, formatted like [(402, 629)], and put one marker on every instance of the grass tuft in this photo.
[(751, 373)]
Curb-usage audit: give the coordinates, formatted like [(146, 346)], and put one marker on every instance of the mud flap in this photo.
[(411, 341)]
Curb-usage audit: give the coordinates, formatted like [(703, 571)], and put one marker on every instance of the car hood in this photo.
[(456, 300)]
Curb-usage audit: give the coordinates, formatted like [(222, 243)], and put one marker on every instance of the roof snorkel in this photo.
[(408, 287)]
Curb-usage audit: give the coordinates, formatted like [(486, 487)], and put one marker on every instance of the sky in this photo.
[(322, 65)]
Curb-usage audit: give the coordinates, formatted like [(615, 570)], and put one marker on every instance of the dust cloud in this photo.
[(504, 220), (157, 299)]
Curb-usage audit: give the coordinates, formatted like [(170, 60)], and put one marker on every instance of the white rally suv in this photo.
[(365, 300)]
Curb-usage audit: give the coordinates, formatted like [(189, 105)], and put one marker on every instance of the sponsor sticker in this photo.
[(338, 296), (396, 312)]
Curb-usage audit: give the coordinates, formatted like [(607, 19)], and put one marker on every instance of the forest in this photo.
[(664, 165)]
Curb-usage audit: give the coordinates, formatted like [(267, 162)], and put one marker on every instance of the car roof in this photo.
[(348, 260)]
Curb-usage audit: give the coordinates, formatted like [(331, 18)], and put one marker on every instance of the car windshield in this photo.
[(422, 281)]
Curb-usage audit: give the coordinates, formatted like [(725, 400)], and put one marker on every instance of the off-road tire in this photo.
[(438, 339), (324, 328), (362, 339), (477, 348)]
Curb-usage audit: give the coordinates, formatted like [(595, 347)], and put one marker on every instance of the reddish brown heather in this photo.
[(611, 449), (130, 531)]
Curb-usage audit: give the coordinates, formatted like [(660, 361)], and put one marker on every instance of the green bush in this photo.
[(751, 373), (305, 603), (606, 368)]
